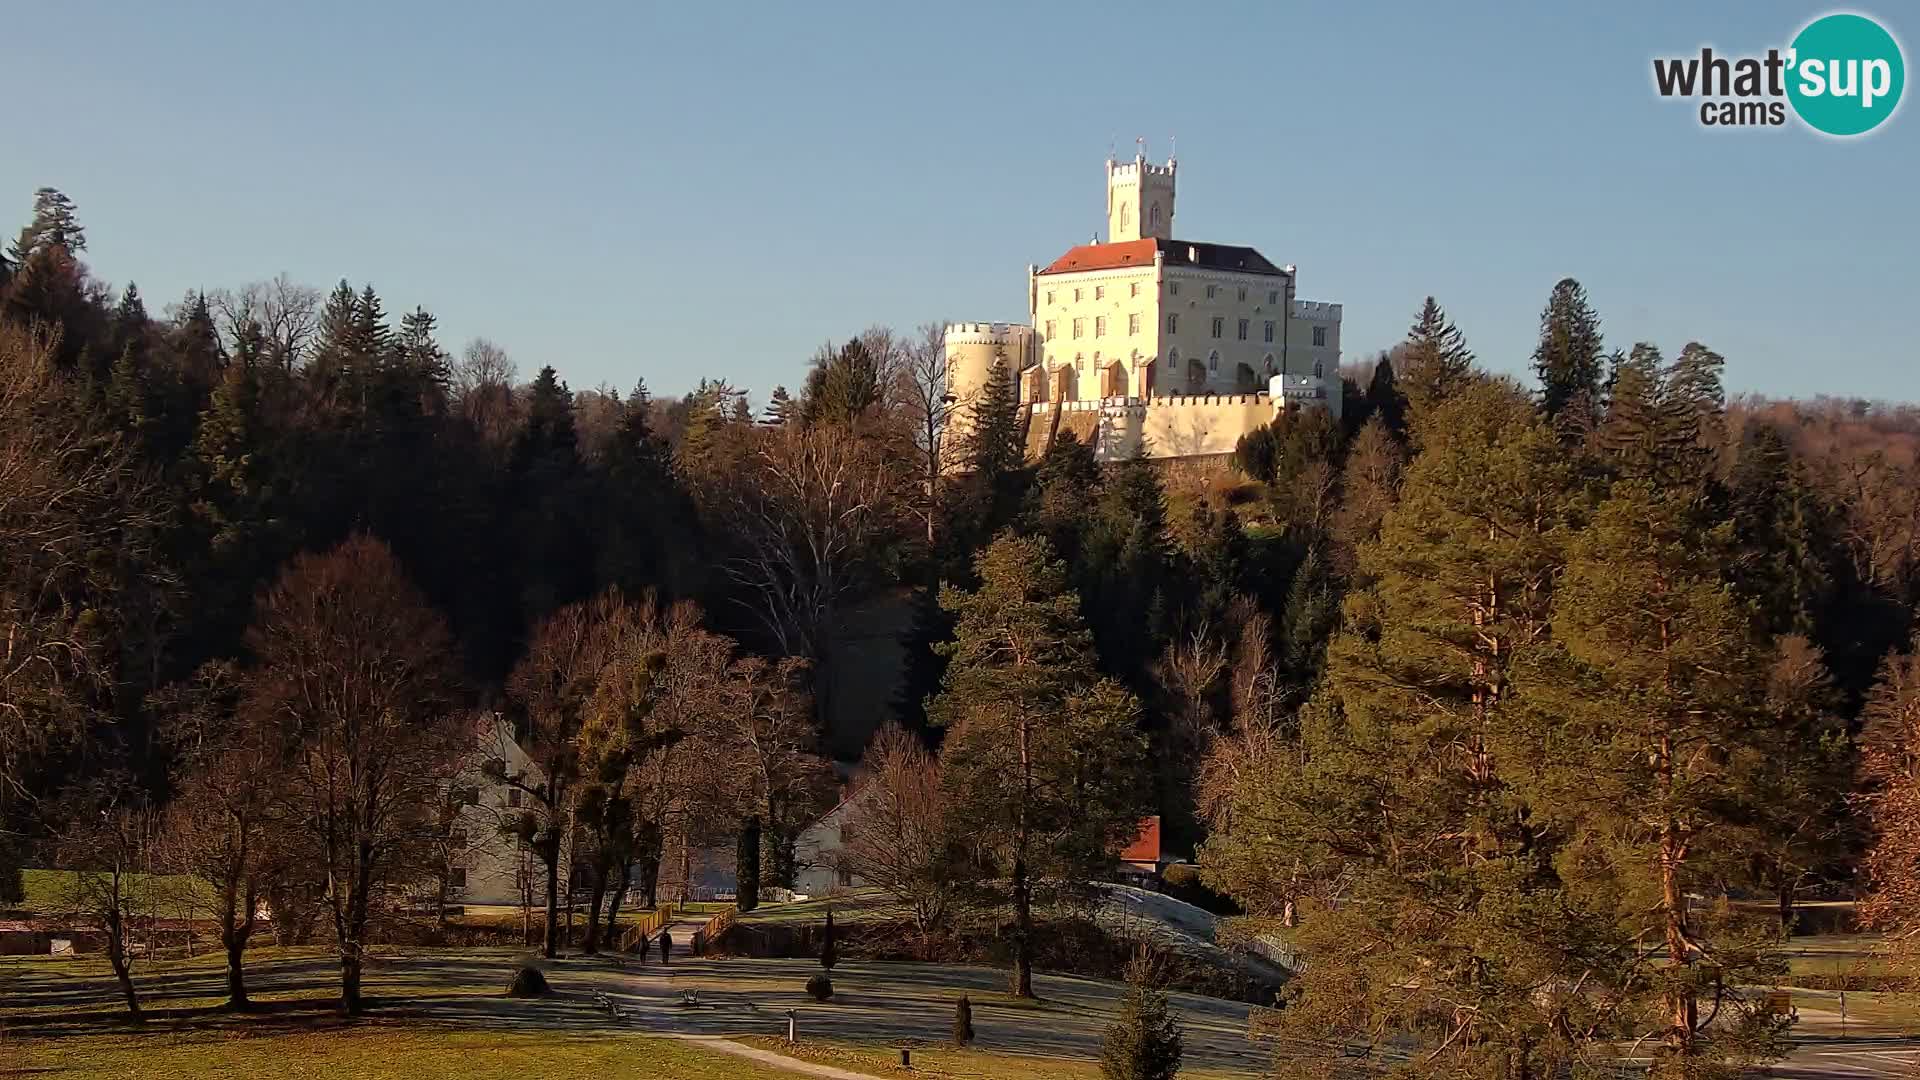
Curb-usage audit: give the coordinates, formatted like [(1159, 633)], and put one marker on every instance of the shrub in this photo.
[(1181, 875), (1144, 1043), (528, 982), (820, 987), (962, 1021)]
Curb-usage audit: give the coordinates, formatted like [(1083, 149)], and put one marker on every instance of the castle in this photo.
[(1147, 345)]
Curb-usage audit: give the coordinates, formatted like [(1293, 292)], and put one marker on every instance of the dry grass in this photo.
[(372, 1053)]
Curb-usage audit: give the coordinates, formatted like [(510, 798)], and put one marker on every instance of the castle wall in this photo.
[(1175, 427)]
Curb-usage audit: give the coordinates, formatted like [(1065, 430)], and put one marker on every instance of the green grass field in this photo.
[(372, 1053)]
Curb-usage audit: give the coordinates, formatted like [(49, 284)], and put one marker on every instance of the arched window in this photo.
[(1317, 372), (1153, 218), (1079, 361), (1126, 215), (1213, 360), (1173, 357)]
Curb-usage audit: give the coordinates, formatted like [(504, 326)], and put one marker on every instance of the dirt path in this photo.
[(778, 1061)]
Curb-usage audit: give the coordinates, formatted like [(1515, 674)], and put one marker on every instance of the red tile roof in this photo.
[(1146, 844), (1175, 253)]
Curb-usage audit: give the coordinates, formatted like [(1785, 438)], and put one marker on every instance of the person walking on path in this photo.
[(646, 943), (666, 947)]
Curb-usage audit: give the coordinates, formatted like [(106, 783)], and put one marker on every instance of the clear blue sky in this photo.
[(716, 188)]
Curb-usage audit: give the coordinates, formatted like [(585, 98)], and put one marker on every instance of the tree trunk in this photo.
[(650, 879), (350, 924), (597, 897), (613, 904), (551, 857), (1783, 892), (117, 958), (236, 946), (1682, 1009), (1022, 930)]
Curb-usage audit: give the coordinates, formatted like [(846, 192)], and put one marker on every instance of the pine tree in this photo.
[(55, 224), (747, 866), (1042, 757), (1647, 728), (1568, 357), (1144, 1042), (781, 409), (1434, 364), (995, 444), (842, 386), (1391, 781), (962, 1022)]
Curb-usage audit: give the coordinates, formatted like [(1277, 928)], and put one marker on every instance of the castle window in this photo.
[(1317, 372), (1213, 360), (1243, 329), (1133, 323), (1173, 357), (1319, 335), (1079, 361), (1133, 289), (1050, 329), (1273, 296), (1153, 218), (1269, 332), (457, 878), (1173, 288), (1099, 292), (1173, 323), (1079, 327), (1243, 293), (1219, 326), (1210, 291), (1099, 326), (1076, 296), (1049, 296)]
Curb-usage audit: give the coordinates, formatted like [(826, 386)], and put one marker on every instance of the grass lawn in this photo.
[(947, 1063), (49, 892), (854, 905), (372, 1053)]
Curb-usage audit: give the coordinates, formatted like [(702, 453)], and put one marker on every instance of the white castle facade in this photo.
[(1148, 345)]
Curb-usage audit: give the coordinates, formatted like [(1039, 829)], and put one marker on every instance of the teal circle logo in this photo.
[(1845, 74)]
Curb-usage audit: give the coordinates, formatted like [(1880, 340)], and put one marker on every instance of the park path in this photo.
[(681, 929), (778, 1061)]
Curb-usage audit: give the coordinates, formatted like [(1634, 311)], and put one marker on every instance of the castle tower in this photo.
[(1139, 199), (972, 351)]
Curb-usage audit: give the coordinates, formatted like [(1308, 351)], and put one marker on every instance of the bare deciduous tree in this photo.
[(106, 843), (927, 400), (225, 826), (897, 835), (357, 669), (76, 522), (811, 514), (287, 313)]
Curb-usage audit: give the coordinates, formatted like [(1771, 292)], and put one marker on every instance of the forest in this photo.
[(1528, 712)]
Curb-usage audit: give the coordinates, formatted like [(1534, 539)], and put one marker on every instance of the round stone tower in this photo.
[(973, 348)]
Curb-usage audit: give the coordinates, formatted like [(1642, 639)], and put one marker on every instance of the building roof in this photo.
[(1127, 253), (1145, 847)]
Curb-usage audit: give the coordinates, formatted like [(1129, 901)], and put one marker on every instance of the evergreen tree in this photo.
[(1042, 757), (1385, 399), (55, 224), (1435, 364), (1646, 731), (746, 862), (1450, 915), (781, 409), (843, 386), (1568, 357), (995, 444), (829, 949), (1144, 1042)]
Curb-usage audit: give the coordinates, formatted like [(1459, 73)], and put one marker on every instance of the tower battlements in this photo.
[(988, 333), (1316, 309), (1141, 167)]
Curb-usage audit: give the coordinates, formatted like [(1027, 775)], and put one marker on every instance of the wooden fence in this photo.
[(647, 926), (715, 929)]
